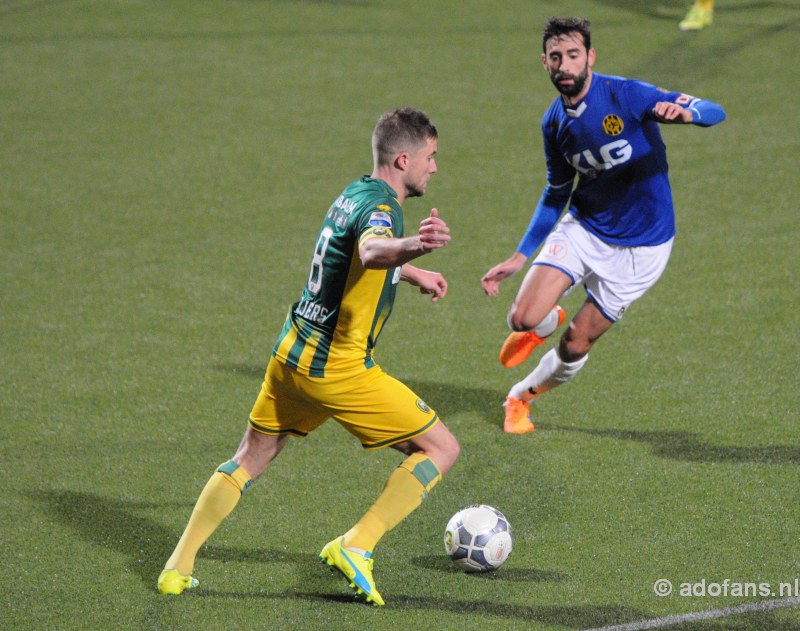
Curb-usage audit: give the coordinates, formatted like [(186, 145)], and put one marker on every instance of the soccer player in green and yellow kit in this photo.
[(700, 15), (322, 365)]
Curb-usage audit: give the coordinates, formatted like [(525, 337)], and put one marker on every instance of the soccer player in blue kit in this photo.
[(617, 234)]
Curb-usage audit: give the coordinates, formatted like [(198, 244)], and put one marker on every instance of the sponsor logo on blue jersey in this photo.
[(611, 154)]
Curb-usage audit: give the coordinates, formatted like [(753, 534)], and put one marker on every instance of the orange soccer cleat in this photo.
[(518, 416), (520, 344)]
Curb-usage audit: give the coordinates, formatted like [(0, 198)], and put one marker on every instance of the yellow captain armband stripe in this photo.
[(377, 232)]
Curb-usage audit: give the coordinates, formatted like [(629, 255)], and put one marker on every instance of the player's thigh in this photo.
[(378, 409), (283, 407), (558, 267), (541, 288)]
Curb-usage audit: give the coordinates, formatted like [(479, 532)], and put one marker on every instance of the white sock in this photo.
[(546, 327), (551, 371)]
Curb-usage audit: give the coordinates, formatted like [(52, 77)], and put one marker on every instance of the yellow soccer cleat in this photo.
[(356, 568), (518, 416), (174, 583), (697, 18), (520, 344)]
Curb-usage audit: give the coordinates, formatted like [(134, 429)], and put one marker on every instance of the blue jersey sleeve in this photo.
[(560, 175), (706, 113), (559, 170), (642, 98), (547, 212)]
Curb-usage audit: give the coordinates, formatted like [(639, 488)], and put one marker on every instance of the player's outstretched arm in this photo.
[(428, 282), (491, 280), (698, 112), (381, 253), (545, 217)]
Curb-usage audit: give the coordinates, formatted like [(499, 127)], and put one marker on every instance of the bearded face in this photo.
[(569, 84), (569, 64)]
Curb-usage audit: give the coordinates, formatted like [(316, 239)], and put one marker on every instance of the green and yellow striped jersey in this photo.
[(336, 323)]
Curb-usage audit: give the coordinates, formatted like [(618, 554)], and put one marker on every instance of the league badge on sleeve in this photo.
[(380, 219)]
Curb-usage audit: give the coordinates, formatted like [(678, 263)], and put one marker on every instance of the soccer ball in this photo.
[(478, 538)]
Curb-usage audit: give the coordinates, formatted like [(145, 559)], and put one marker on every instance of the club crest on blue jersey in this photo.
[(612, 125), (381, 219)]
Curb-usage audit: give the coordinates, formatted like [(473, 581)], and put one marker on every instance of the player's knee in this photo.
[(257, 451), (521, 320)]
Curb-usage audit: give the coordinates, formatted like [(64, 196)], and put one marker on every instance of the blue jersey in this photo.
[(612, 142)]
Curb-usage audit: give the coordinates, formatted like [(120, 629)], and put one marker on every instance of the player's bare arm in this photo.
[(491, 280), (428, 282), (381, 253)]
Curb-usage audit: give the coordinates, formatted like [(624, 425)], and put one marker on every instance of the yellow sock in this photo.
[(706, 5), (218, 499), (404, 491)]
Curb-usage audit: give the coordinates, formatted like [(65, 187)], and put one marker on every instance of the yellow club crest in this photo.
[(612, 125)]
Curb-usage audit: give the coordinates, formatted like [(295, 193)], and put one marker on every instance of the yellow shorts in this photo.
[(377, 409)]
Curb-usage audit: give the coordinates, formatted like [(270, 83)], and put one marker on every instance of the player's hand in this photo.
[(667, 112), (432, 283), (491, 280), (433, 232)]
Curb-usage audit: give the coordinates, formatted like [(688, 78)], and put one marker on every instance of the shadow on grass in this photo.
[(574, 617), (449, 399), (686, 446), (577, 617), (440, 563), (116, 524)]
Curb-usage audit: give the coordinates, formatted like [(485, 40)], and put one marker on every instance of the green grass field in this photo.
[(165, 166)]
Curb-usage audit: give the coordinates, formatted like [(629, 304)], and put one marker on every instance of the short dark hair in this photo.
[(556, 27), (402, 129)]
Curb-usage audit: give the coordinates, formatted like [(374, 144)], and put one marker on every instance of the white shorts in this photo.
[(613, 275)]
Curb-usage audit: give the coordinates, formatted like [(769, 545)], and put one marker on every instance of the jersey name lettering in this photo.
[(311, 311), (347, 205)]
